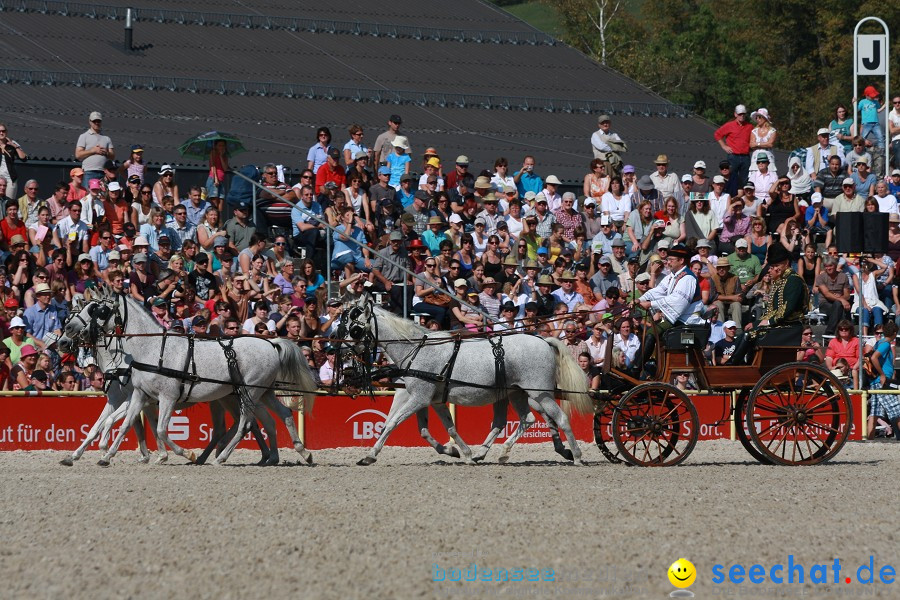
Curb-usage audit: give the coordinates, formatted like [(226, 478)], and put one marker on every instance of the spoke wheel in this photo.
[(655, 425), (799, 414), (603, 414), (741, 429)]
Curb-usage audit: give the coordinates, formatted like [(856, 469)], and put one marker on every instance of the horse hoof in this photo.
[(566, 454), (192, 457), (365, 462), (67, 462), (308, 459), (504, 458), (454, 452), (162, 458), (578, 463), (144, 460), (103, 462), (272, 461)]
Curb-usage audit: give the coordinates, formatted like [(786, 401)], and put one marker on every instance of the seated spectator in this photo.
[(725, 347), (346, 254), (625, 345), (844, 346)]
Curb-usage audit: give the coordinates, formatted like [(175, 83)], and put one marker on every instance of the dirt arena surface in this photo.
[(388, 531)]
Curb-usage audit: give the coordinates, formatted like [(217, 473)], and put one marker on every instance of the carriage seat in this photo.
[(783, 336), (673, 339)]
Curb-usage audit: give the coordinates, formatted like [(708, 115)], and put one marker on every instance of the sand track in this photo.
[(336, 530)]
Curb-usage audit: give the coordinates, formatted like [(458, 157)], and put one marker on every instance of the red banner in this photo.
[(61, 423)]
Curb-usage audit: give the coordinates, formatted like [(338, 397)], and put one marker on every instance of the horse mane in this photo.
[(407, 328)]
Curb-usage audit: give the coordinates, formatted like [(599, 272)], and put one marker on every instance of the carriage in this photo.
[(786, 412)]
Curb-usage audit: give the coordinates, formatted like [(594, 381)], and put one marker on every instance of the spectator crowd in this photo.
[(507, 238)]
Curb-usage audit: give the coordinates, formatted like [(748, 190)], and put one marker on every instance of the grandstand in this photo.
[(467, 78)]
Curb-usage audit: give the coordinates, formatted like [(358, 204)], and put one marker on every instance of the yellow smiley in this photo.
[(682, 573)]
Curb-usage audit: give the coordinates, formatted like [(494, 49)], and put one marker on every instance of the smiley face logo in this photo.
[(682, 573)]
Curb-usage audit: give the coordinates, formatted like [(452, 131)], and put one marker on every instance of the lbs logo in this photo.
[(369, 427)]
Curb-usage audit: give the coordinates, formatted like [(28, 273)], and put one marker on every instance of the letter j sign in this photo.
[(871, 54)]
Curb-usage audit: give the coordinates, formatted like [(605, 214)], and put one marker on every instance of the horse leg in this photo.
[(232, 405), (245, 417), (443, 411), (135, 405), (498, 424), (91, 435), (408, 405), (271, 457), (141, 436), (526, 420), (217, 417), (107, 425), (287, 417), (166, 408), (552, 410), (422, 421)]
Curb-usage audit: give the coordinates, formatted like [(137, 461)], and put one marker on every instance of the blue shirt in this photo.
[(152, 235), (318, 155), (397, 163), (38, 323), (195, 215), (433, 241), (862, 186), (342, 247), (403, 198), (811, 210), (529, 182), (301, 215), (868, 110), (886, 359), (100, 257)]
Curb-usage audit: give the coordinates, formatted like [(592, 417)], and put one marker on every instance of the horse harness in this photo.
[(183, 375)]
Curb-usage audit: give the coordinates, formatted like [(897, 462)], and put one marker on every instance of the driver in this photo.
[(788, 304), (676, 299)]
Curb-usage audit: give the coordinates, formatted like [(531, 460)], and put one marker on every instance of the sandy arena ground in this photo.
[(336, 530)]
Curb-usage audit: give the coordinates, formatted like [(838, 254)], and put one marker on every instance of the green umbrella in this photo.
[(200, 146)]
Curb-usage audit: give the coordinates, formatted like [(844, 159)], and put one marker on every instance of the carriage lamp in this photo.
[(687, 337)]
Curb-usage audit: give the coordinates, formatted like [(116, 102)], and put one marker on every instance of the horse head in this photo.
[(359, 317), (95, 314)]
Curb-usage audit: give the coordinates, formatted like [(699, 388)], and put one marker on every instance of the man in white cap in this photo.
[(725, 347), (817, 218), (93, 149), (818, 154), (849, 200), (734, 138)]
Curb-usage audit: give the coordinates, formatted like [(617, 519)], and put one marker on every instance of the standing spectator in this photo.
[(10, 151), (134, 167), (842, 127), (318, 152), (526, 179), (870, 131), (762, 138), (734, 138), (218, 167), (384, 143), (894, 132), (398, 161), (93, 149)]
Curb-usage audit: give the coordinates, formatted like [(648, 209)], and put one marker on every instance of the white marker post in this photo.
[(870, 58)]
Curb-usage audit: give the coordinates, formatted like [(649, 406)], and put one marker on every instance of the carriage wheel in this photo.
[(741, 430), (655, 425), (799, 414), (603, 413)]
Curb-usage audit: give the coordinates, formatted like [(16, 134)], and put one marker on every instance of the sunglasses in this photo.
[(280, 243)]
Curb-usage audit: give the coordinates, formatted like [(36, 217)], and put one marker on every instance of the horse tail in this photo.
[(571, 380), (295, 372)]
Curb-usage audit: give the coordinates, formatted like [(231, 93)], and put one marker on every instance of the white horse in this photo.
[(533, 367), (160, 369)]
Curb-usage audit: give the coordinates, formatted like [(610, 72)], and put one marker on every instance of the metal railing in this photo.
[(257, 187), (265, 89)]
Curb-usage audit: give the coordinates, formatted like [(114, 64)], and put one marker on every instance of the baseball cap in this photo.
[(198, 320), (460, 283), (462, 159), (395, 119), (137, 148), (686, 178), (823, 131), (334, 153), (740, 109), (158, 301), (95, 116), (166, 169), (895, 172), (749, 186), (113, 186), (590, 202), (543, 250), (455, 218), (76, 172), (604, 220), (718, 179), (699, 165), (848, 181), (95, 185), (11, 302), (815, 198), (604, 260), (384, 170), (741, 243), (642, 278), (140, 257), (729, 324), (628, 169), (618, 243)]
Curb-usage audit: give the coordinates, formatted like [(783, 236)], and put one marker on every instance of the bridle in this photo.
[(93, 331)]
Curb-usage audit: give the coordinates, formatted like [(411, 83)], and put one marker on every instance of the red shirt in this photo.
[(325, 174), (736, 135), (10, 231)]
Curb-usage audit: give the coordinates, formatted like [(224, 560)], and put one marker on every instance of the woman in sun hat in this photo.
[(762, 138)]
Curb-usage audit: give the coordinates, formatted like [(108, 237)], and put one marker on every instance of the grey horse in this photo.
[(260, 362), (534, 368)]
